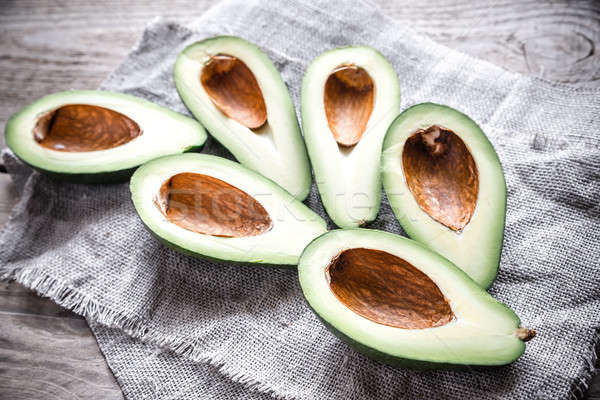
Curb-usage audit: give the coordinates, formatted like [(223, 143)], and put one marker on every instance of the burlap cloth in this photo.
[(242, 332)]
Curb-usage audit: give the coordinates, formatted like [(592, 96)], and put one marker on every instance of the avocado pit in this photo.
[(84, 127), (207, 205), (387, 290), (442, 175), (234, 90), (348, 98)]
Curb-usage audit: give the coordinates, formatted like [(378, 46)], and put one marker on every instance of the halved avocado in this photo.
[(397, 301), (445, 184), (349, 98), (234, 89), (210, 207), (97, 136)]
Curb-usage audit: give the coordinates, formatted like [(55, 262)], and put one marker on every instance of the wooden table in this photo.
[(49, 353)]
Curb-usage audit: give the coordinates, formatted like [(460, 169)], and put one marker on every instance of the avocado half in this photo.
[(234, 89), (214, 208), (350, 96), (96, 136), (401, 303), (445, 184)]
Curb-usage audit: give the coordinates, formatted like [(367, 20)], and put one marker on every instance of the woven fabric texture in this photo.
[(248, 330)]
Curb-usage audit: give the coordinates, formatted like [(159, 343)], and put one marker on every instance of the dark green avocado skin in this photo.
[(395, 361), (104, 177), (187, 252), (107, 177)]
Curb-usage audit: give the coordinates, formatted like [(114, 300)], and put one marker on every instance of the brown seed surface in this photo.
[(204, 204), (388, 290), (442, 176), (349, 95), (525, 334), (84, 127), (234, 90)]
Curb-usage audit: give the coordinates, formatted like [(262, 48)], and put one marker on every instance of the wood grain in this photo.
[(47, 352), (51, 46), (8, 198)]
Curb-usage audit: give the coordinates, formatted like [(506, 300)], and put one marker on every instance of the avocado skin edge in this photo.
[(384, 358), (199, 256), (107, 177), (394, 361), (408, 228), (300, 196)]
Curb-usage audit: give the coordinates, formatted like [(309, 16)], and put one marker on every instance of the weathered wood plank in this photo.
[(8, 197), (554, 40), (45, 357), (17, 299), (47, 352), (47, 47), (52, 46)]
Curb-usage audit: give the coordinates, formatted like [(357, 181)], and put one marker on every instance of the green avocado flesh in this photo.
[(97, 136), (213, 208), (445, 184), (349, 97), (234, 89), (397, 301)]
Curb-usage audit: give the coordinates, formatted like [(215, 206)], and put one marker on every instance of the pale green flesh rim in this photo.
[(482, 333), (277, 150), (293, 224), (477, 248), (164, 132), (349, 180)]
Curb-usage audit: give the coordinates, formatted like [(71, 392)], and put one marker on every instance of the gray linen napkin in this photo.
[(84, 246)]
